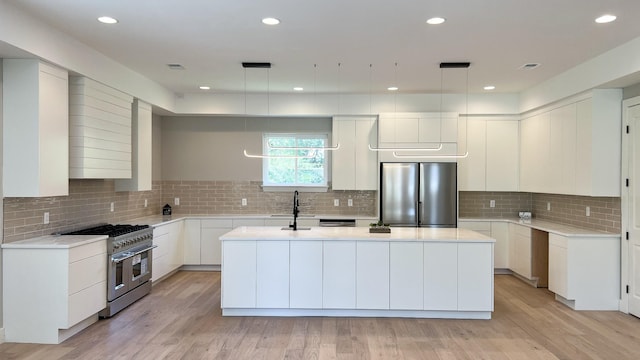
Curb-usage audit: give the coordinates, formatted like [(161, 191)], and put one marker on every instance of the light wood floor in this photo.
[(181, 319)]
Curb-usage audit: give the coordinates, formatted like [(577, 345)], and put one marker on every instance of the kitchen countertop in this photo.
[(54, 242), (156, 220), (356, 233), (551, 227)]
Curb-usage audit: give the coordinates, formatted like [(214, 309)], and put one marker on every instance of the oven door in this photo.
[(128, 270)]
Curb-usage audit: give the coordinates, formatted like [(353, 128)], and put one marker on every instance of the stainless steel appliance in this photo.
[(419, 194), (129, 263)]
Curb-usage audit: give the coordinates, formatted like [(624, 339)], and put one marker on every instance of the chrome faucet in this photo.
[(296, 203)]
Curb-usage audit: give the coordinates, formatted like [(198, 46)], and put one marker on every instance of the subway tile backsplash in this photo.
[(89, 203)]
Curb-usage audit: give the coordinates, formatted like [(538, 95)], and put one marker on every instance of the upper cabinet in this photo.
[(569, 149), (438, 131), (354, 166), (492, 163), (35, 129), (141, 146), (100, 131)]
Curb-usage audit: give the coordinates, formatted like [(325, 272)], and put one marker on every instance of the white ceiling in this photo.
[(211, 39)]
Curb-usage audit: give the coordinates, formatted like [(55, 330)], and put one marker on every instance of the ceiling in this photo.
[(338, 46)]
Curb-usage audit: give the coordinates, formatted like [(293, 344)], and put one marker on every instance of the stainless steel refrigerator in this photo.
[(419, 194)]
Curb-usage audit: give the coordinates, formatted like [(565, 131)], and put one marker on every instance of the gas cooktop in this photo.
[(109, 230)]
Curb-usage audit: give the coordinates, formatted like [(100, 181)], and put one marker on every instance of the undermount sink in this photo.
[(299, 228)]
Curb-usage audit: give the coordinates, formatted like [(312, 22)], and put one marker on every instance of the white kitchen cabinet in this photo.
[(472, 169), (406, 277), (372, 271), (520, 250), (562, 149), (441, 278), (66, 290), (339, 275), (534, 153), (168, 255), (35, 129), (176, 244), (502, 156), (210, 246), (354, 166), (99, 131), (581, 269), (305, 276), (500, 232), (272, 274), (192, 236), (475, 277), (141, 150), (240, 276)]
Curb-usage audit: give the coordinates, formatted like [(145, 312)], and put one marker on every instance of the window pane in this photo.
[(298, 169)]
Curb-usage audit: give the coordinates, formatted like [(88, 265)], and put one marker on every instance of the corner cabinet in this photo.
[(35, 129), (354, 166)]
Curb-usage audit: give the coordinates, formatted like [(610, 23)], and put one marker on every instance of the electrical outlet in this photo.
[(349, 202), (588, 211), (176, 201), (548, 206), (336, 202), (45, 218), (492, 203), (112, 207), (244, 202), (146, 203)]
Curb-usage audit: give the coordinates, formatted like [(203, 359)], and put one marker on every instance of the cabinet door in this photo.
[(305, 276), (176, 245), (500, 232), (343, 160), (472, 169), (440, 276), (339, 275), (372, 283), (192, 242), (502, 151), (366, 166), (475, 277), (558, 278), (406, 276), (534, 154), (520, 261), (239, 274), (272, 271), (584, 151), (210, 245)]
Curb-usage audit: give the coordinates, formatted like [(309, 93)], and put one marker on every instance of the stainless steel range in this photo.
[(129, 263)]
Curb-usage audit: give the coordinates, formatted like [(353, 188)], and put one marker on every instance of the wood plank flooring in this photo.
[(181, 319)]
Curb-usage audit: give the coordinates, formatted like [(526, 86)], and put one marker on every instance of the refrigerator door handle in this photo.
[(418, 213)]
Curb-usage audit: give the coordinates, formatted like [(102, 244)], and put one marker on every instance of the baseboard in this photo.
[(200, 267), (1, 335)]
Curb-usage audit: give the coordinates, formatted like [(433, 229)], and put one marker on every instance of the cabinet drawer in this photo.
[(86, 303), (558, 240), (87, 272), (475, 225), (216, 223), (161, 230), (522, 230), (88, 250)]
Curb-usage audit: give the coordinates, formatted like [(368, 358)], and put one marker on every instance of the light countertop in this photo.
[(158, 220), (356, 233), (54, 242), (551, 227)]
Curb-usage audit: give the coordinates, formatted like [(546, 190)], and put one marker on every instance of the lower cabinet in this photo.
[(520, 250), (441, 276), (169, 252), (339, 275), (305, 277), (240, 276), (66, 290), (581, 269), (272, 274), (372, 275), (499, 230), (473, 278), (406, 279), (210, 246)]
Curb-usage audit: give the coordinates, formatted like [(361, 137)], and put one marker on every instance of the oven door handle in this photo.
[(128, 255)]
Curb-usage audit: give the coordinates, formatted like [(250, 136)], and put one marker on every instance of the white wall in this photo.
[(211, 148)]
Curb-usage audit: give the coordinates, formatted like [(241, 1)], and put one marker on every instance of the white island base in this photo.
[(411, 272)]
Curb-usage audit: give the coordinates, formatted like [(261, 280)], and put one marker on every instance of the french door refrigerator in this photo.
[(419, 194)]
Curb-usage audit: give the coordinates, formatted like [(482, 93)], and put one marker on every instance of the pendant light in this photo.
[(446, 65), (395, 149)]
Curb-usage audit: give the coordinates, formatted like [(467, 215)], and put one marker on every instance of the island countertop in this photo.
[(356, 233)]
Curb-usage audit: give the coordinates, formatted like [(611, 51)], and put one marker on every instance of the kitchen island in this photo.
[(410, 272)]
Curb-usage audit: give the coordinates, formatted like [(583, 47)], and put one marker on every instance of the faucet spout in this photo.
[(295, 211)]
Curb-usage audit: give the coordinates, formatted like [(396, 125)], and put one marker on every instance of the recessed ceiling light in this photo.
[(270, 21), (107, 20), (205, 88), (392, 88), (489, 87), (605, 19), (298, 88), (436, 21)]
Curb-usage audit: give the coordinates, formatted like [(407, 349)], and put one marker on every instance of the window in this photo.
[(294, 167)]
